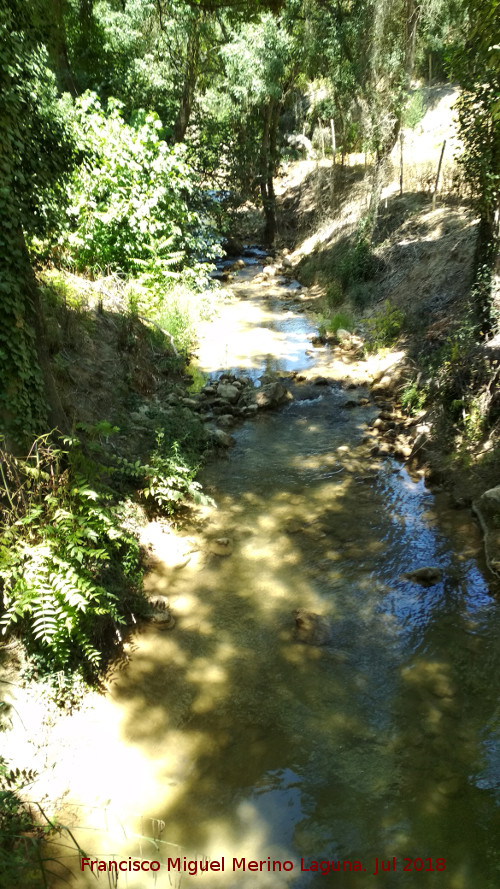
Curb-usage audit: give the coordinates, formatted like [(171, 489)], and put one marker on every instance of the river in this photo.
[(372, 760)]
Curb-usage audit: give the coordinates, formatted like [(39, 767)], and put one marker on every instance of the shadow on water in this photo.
[(382, 744)]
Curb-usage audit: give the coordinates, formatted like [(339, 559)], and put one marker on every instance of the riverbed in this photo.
[(371, 760)]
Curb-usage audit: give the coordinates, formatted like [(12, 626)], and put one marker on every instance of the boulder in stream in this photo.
[(487, 510), (162, 617), (271, 394), (228, 391)]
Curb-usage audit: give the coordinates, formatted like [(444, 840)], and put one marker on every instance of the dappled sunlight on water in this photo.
[(379, 744)]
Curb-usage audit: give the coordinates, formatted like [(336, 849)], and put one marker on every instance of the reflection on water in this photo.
[(382, 745)]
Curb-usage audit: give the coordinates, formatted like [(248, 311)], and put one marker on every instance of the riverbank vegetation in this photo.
[(138, 140)]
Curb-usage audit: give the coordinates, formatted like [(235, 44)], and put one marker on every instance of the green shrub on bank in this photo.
[(341, 320), (385, 328), (134, 200), (358, 263), (414, 111), (69, 572), (24, 828)]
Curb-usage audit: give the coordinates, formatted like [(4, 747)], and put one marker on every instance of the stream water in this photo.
[(375, 756)]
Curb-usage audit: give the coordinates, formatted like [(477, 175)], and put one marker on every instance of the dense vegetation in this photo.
[(124, 124)]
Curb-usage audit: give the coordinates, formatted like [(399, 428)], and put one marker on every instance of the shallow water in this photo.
[(381, 746)]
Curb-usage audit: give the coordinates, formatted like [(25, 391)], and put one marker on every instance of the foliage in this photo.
[(334, 294), (358, 263), (61, 552), (362, 293), (178, 309), (340, 320), (477, 67), (413, 398), (23, 827), (16, 822), (167, 479), (35, 158), (133, 205), (414, 111), (384, 329)]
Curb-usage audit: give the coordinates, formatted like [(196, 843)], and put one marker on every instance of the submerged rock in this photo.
[(220, 438), (311, 628), (426, 576), (221, 546)]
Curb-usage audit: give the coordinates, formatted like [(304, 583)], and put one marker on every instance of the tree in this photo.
[(477, 67), (259, 67)]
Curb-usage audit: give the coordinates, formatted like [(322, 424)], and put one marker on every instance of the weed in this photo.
[(169, 480), (415, 110), (340, 320), (334, 296), (63, 557), (361, 294), (413, 398), (384, 329), (23, 828), (307, 273), (358, 263)]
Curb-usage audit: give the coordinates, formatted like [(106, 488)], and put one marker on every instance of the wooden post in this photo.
[(401, 139), (322, 139), (437, 177)]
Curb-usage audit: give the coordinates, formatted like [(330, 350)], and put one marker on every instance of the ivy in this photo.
[(35, 154)]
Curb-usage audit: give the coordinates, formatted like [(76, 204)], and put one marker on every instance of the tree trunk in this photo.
[(268, 163), (58, 48), (189, 85)]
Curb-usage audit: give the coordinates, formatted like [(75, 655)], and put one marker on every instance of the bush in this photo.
[(133, 199), (384, 329), (415, 110), (357, 264), (340, 320), (334, 295), (413, 398), (307, 272), (361, 294), (23, 829)]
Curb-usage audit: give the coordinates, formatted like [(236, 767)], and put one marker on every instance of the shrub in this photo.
[(307, 272), (413, 398), (133, 199), (357, 264), (23, 829), (415, 110), (385, 328), (361, 294), (340, 320), (334, 295)]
